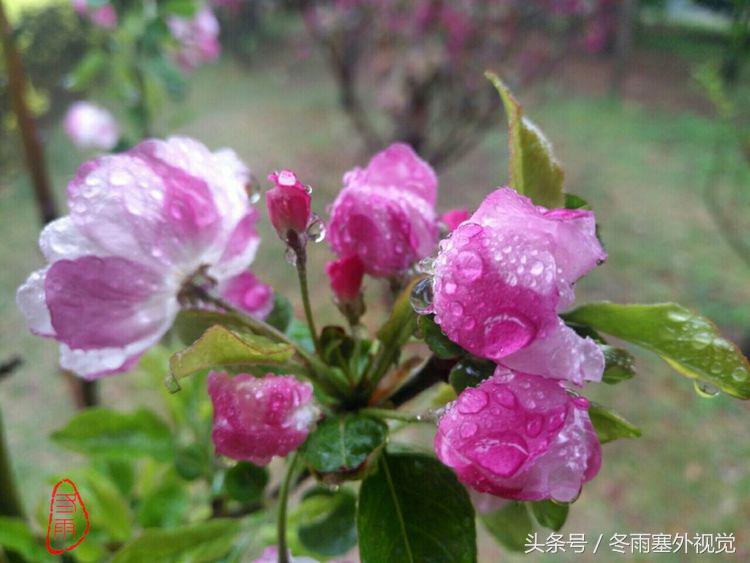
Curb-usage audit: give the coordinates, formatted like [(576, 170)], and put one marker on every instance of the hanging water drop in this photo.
[(426, 266), (421, 296), (316, 230), (705, 390), (290, 256)]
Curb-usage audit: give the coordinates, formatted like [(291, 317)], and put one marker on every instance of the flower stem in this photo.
[(283, 501), (10, 503), (398, 415), (305, 293)]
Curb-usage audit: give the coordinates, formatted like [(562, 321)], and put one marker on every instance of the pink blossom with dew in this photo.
[(453, 218), (104, 16), (502, 277), (91, 127), (289, 204), (142, 225), (198, 38), (256, 419), (386, 212), (246, 292), (520, 437), (345, 275)]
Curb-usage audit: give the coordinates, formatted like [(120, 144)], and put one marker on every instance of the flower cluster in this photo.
[(197, 38)]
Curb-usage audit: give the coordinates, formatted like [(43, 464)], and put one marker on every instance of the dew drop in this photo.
[(426, 266), (421, 297), (450, 288), (468, 429), (534, 425), (505, 397), (472, 401), (705, 390), (290, 256), (536, 268), (316, 230), (470, 265)]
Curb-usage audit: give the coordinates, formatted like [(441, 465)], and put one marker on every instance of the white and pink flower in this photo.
[(142, 225), (386, 212), (521, 437), (258, 418), (91, 127), (504, 275), (197, 38)]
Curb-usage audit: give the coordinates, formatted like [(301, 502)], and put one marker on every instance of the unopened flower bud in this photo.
[(288, 204)]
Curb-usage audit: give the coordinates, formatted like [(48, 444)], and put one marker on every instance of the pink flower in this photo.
[(346, 277), (198, 38), (288, 204), (454, 218), (91, 127), (502, 277), (80, 6), (520, 437), (248, 293), (386, 213), (142, 225), (104, 16), (258, 418)]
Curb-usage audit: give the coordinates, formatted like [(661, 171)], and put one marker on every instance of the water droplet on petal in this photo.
[(472, 401), (470, 265), (534, 425), (450, 288), (468, 429), (505, 397), (426, 266), (421, 296)]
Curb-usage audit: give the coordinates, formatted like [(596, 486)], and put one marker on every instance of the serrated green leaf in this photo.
[(220, 347), (510, 526), (619, 364), (201, 542), (534, 171), (102, 431), (245, 482), (413, 509), (691, 344), (331, 530), (550, 514), (442, 346), (343, 443), (609, 425)]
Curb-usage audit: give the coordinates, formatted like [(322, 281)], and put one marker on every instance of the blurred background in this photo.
[(645, 103)]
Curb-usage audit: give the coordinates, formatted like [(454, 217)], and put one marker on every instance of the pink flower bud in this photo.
[(520, 437), (288, 203), (386, 213), (346, 277), (502, 277), (258, 418), (91, 127), (454, 218), (248, 293)]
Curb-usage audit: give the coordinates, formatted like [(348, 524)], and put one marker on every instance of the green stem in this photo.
[(283, 501), (302, 274), (10, 503), (397, 415)]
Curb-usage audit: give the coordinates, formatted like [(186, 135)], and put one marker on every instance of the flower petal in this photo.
[(30, 298)]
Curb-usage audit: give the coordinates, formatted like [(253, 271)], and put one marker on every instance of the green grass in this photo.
[(641, 171)]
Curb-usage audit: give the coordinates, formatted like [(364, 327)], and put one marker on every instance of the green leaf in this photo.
[(245, 482), (510, 526), (610, 426), (164, 507), (331, 530), (413, 509), (691, 344), (16, 536), (619, 364), (191, 324), (550, 514), (192, 462), (343, 442), (534, 171), (87, 70), (102, 431), (442, 346), (470, 372), (182, 8), (108, 508), (202, 542), (220, 347), (281, 315), (573, 201)]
